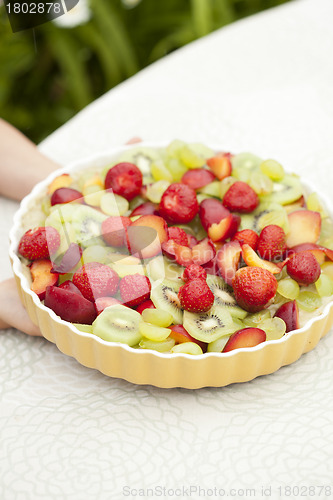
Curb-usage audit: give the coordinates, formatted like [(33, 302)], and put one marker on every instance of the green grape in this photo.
[(276, 217), (176, 168), (288, 288), (308, 301), (241, 174), (324, 286), (174, 148), (160, 172), (163, 346), (246, 160), (93, 194), (279, 299), (155, 191), (225, 185), (113, 204), (327, 268), (153, 332), (192, 158), (212, 189), (274, 328), (260, 183), (272, 169), (218, 344), (157, 317), (257, 318), (187, 348), (95, 253), (313, 203)]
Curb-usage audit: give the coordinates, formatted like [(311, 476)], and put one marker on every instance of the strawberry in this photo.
[(196, 296), (39, 243), (96, 280), (254, 288), (124, 179), (194, 271), (114, 230), (272, 243), (178, 204), (134, 289), (178, 235), (246, 236), (247, 337), (304, 268), (198, 178), (147, 304), (240, 197)]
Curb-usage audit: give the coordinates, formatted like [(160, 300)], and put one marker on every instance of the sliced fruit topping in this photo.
[(224, 229), (61, 181), (118, 323), (211, 211), (113, 204), (180, 335), (308, 301), (304, 227), (203, 252), (66, 195), (196, 296), (103, 302), (288, 288), (114, 230), (252, 259), (304, 268), (42, 277), (319, 252), (165, 296), (147, 304), (96, 280), (288, 312), (178, 235), (272, 169), (247, 337), (153, 332), (275, 328), (208, 326), (157, 317), (39, 243), (178, 204), (124, 179), (324, 286), (194, 271), (146, 235), (134, 289), (69, 285), (146, 208), (287, 191), (292, 207), (247, 236), (70, 306), (187, 348), (162, 346), (224, 297), (227, 259), (198, 178), (272, 243), (220, 165), (254, 288), (240, 197), (69, 260), (160, 267)]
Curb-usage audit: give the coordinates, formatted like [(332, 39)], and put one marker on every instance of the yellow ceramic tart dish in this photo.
[(227, 201)]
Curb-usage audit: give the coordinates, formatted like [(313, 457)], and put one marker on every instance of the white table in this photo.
[(265, 85)]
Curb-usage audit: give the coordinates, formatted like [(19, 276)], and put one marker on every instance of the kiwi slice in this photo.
[(224, 296), (143, 158), (165, 296), (118, 323), (210, 325), (266, 213), (288, 190)]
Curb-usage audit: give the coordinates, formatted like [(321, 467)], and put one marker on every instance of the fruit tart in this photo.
[(198, 260)]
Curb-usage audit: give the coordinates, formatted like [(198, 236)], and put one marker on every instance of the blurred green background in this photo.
[(48, 74)]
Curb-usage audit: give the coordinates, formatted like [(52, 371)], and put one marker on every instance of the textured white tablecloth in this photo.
[(264, 84)]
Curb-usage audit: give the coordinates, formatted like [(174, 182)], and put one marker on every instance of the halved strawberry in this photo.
[(272, 243), (124, 179), (178, 204), (134, 289), (304, 268), (247, 236), (96, 280), (39, 243), (196, 296), (194, 271), (178, 235), (254, 288), (240, 197), (198, 178)]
